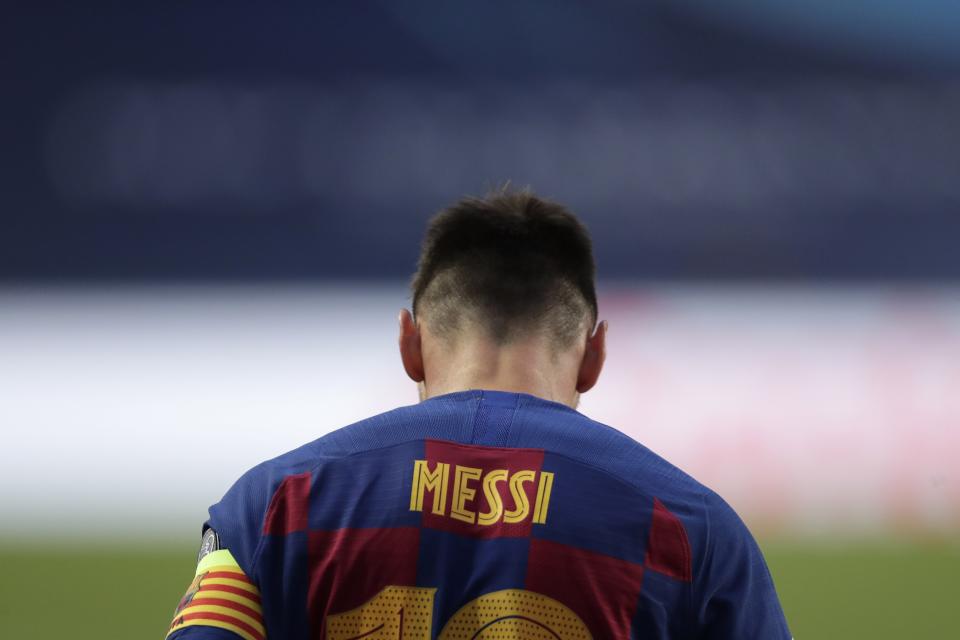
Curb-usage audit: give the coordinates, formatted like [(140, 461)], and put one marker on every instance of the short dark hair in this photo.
[(512, 263)]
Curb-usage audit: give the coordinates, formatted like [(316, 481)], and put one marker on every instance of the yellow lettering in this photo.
[(493, 497), (522, 504), (435, 482), (462, 493), (543, 497)]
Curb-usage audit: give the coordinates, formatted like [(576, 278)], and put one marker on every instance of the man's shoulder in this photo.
[(273, 488), (397, 426), (610, 451), (377, 431)]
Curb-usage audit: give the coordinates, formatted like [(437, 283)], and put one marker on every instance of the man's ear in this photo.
[(593, 357), (410, 352)]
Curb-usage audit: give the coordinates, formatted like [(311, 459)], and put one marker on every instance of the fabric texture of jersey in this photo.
[(486, 514)]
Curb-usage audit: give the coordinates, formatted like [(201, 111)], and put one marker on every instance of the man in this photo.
[(491, 509)]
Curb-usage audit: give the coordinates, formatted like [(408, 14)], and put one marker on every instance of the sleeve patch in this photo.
[(222, 596), (209, 543)]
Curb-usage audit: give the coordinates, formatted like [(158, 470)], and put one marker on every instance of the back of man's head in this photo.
[(511, 265)]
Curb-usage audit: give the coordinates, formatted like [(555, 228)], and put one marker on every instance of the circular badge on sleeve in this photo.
[(209, 543)]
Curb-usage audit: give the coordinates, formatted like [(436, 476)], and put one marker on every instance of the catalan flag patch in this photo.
[(221, 595)]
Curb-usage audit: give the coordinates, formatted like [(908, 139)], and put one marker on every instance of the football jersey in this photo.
[(477, 514)]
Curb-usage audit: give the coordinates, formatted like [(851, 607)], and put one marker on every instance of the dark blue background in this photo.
[(748, 127)]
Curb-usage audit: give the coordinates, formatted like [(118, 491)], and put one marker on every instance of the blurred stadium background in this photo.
[(209, 212)]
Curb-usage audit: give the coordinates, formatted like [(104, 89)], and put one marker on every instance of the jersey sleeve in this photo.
[(224, 602), (239, 521), (239, 515), (221, 603), (735, 595)]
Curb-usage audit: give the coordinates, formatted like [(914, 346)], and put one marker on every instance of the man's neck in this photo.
[(526, 367)]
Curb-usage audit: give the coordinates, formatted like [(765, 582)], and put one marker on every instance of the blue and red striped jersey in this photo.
[(479, 514)]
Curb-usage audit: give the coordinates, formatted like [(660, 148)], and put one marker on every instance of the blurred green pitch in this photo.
[(870, 590)]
